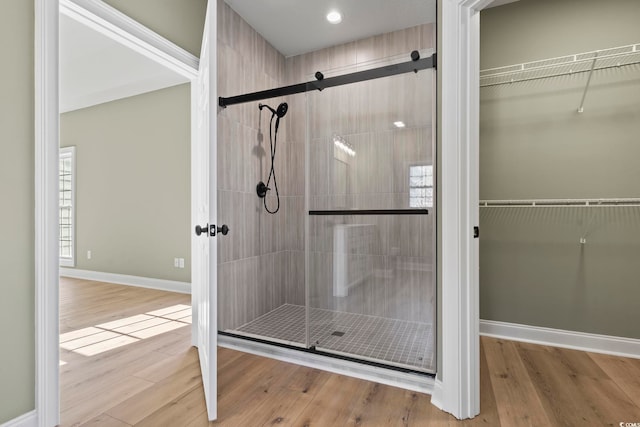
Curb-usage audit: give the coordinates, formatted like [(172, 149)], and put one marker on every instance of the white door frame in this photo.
[(457, 388), (117, 26)]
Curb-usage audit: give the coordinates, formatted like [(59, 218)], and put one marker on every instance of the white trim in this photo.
[(594, 343), (30, 419), (459, 391), (46, 212), (124, 279), (114, 24), (437, 394), (495, 3), (117, 26), (408, 381)]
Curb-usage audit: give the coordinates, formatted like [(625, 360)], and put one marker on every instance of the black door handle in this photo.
[(224, 229), (200, 230)]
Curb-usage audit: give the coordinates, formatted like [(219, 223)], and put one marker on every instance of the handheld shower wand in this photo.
[(262, 188)]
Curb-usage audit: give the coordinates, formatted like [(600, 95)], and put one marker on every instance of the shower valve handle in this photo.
[(261, 189)]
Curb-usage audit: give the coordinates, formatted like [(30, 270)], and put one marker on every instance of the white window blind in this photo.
[(67, 206), (421, 186)]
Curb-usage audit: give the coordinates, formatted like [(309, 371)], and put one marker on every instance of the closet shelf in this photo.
[(592, 203), (563, 65)]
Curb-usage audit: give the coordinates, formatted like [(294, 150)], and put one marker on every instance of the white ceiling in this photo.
[(95, 69), (294, 27)]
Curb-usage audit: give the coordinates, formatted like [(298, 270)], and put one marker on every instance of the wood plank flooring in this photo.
[(155, 381)]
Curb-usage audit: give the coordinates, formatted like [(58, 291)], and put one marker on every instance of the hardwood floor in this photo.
[(155, 381)]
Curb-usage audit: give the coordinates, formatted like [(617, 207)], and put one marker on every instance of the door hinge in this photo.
[(476, 232)]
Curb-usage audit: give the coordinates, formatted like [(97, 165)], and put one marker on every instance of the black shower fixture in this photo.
[(262, 188), (279, 112)]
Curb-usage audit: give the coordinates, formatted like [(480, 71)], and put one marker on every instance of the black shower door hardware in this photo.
[(371, 212), (325, 82), (211, 231)]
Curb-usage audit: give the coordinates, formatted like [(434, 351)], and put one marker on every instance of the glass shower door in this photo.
[(370, 254)]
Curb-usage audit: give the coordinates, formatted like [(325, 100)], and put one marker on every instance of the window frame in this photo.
[(432, 198), (68, 152)]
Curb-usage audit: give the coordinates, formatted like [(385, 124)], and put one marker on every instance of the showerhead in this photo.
[(280, 112)]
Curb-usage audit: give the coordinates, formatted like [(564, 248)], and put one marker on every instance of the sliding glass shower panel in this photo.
[(371, 221)]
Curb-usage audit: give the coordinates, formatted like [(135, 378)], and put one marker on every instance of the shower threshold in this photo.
[(374, 340)]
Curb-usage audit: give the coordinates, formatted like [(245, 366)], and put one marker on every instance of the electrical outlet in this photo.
[(88, 254), (181, 262), (583, 240), (176, 263)]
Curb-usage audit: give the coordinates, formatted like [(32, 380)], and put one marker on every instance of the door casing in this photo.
[(117, 26)]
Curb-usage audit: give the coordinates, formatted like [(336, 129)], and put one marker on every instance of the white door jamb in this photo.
[(123, 29)]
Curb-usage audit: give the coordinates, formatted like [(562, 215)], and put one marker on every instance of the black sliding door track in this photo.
[(359, 76)]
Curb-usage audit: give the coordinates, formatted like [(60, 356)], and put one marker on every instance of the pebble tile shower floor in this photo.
[(390, 341)]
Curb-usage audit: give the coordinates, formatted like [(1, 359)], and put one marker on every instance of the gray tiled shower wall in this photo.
[(261, 261)]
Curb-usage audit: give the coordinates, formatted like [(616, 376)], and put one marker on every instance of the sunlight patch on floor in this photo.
[(110, 335)]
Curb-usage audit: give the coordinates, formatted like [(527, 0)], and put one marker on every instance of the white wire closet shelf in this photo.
[(593, 203), (564, 65)]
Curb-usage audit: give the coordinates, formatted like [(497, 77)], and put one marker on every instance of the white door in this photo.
[(203, 212)]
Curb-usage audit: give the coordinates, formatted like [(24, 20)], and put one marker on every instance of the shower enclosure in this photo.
[(346, 266)]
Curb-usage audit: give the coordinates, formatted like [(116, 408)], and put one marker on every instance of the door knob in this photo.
[(212, 230), (200, 230), (224, 229)]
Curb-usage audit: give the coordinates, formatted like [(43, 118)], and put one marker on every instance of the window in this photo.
[(67, 206), (421, 186)]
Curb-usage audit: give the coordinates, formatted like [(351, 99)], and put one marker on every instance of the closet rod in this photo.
[(576, 203)]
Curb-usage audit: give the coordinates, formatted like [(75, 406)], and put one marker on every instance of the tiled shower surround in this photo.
[(262, 259)]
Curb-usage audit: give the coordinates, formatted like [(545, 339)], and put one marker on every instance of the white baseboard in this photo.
[(123, 279), (405, 380), (30, 419), (437, 395), (617, 346)]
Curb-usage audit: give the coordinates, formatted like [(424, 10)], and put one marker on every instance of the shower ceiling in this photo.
[(294, 27)]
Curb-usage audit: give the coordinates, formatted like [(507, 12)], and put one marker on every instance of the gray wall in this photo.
[(180, 21), (252, 261), (133, 184), (534, 144), (17, 372)]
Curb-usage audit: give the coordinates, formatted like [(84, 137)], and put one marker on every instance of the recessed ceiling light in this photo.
[(399, 124), (334, 17)]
